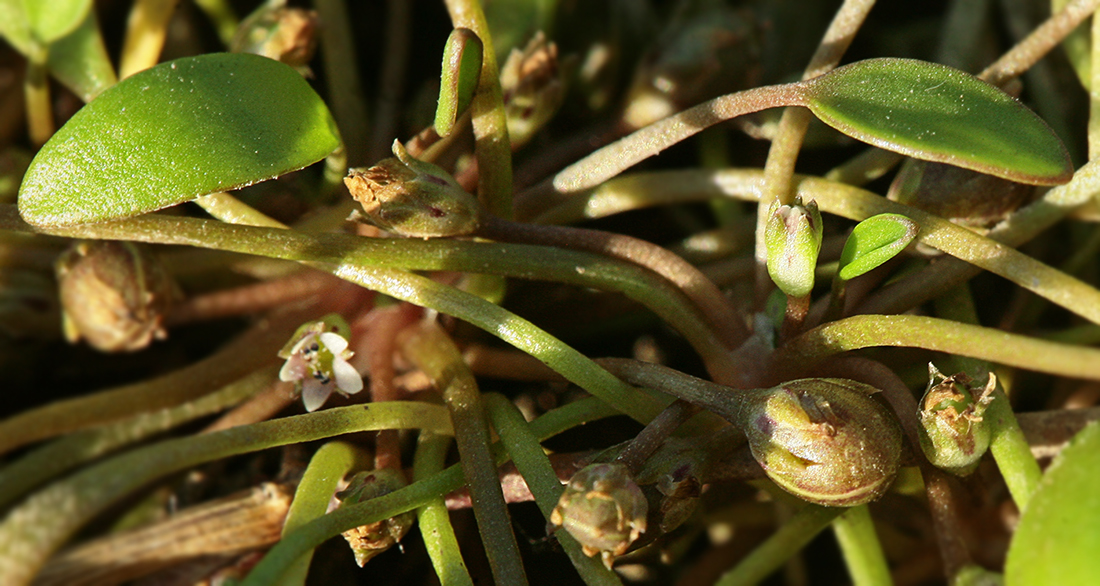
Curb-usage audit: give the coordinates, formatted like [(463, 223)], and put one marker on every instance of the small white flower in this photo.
[(318, 364)]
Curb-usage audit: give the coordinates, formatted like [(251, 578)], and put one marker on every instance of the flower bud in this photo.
[(533, 88), (953, 434), (113, 294), (824, 440), (793, 238), (283, 34), (412, 198), (367, 541), (603, 509)]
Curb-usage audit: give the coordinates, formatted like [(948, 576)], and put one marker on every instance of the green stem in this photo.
[(784, 543), (36, 91), (145, 34), (492, 147), (44, 521), (223, 18), (432, 351), (62, 455), (911, 331), (355, 254), (855, 532), (328, 466), (532, 462), (415, 495), (1008, 445), (433, 518), (994, 252)]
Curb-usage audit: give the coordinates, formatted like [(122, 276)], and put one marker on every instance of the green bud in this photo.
[(533, 88), (412, 198), (824, 440), (793, 238), (953, 434), (603, 509), (367, 541), (114, 295), (283, 34)]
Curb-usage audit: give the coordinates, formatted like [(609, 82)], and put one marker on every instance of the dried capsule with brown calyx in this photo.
[(603, 509), (412, 198), (367, 541), (953, 434), (114, 295)]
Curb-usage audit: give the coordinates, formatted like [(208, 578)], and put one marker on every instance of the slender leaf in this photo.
[(938, 113), (174, 132), (875, 241), (461, 70), (1057, 541)]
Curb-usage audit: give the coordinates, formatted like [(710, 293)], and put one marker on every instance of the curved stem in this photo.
[(415, 495), (328, 466), (345, 89), (911, 331), (716, 309), (34, 530), (433, 519), (784, 543), (650, 140), (145, 33), (432, 351), (539, 475)]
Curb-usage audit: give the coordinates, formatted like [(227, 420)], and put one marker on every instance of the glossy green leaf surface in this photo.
[(875, 241), (1058, 538), (938, 113), (174, 132), (50, 20)]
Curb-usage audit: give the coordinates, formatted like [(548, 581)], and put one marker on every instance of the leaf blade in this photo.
[(938, 113), (174, 132)]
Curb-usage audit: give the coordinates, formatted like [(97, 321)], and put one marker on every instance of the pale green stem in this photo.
[(145, 34), (39, 525), (993, 252), (391, 80), (434, 519), (1008, 445), (1078, 47), (36, 91), (62, 455), (912, 331), (357, 254), (432, 351), (345, 90), (415, 495), (855, 532), (534, 465), (326, 469), (492, 146), (770, 555), (783, 154)]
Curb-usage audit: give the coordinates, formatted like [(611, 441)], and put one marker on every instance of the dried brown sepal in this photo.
[(603, 509), (953, 434)]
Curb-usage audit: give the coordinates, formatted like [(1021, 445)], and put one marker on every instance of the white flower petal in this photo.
[(347, 378), (294, 369), (334, 342), (314, 394)]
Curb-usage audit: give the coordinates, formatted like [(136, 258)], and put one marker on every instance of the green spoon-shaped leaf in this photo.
[(1057, 541), (174, 132), (54, 19), (938, 113), (875, 241)]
